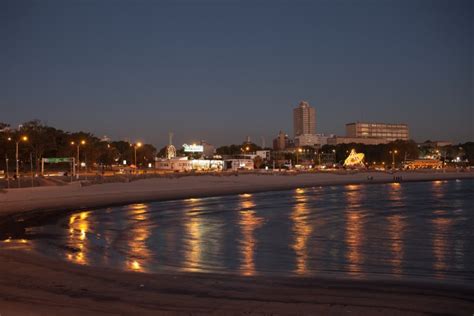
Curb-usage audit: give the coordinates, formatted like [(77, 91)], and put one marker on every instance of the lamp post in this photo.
[(8, 175), (393, 152), (31, 169), (298, 151), (17, 142), (79, 143), (137, 145)]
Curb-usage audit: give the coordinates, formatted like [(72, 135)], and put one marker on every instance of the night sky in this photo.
[(221, 70)]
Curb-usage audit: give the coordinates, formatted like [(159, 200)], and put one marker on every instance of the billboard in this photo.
[(57, 160), (193, 148)]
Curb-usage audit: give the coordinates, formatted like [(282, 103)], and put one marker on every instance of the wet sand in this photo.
[(40, 286), (31, 284)]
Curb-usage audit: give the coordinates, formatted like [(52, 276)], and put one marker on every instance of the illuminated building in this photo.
[(423, 164), (304, 119), (239, 164), (182, 164), (336, 140), (390, 132)]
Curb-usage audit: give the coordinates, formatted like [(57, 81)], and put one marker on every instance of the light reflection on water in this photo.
[(78, 241), (301, 231), (248, 222), (410, 230)]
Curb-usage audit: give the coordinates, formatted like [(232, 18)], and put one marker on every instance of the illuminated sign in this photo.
[(193, 148), (57, 160)]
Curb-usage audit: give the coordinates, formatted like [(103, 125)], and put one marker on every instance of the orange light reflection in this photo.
[(139, 232), (248, 222), (301, 230)]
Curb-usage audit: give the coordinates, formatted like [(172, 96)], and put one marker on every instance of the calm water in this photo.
[(418, 230)]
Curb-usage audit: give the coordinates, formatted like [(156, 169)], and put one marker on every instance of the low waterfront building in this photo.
[(423, 164), (264, 154), (178, 164), (183, 164), (239, 164)]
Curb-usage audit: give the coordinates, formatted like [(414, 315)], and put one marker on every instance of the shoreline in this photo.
[(34, 284), (30, 202)]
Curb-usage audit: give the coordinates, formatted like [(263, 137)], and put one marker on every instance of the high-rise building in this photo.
[(304, 119), (390, 132)]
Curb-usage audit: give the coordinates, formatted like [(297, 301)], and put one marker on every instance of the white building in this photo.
[(238, 164), (312, 140), (264, 154), (182, 164)]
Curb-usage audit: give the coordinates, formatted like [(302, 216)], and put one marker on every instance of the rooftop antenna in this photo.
[(263, 142), (170, 134)]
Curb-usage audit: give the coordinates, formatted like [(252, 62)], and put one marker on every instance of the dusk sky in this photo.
[(222, 70)]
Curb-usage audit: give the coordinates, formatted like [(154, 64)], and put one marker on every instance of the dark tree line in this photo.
[(44, 141), (234, 150)]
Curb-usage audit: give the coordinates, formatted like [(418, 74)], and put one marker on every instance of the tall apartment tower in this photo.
[(304, 119)]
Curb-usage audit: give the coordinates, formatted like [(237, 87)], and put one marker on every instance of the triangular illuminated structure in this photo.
[(354, 160)]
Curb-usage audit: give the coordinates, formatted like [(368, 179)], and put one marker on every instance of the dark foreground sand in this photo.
[(34, 285), (41, 286)]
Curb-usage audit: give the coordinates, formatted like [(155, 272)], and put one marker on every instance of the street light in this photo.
[(137, 145), (82, 142), (393, 152), (22, 138)]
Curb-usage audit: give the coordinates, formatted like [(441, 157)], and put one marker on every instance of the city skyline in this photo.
[(139, 73)]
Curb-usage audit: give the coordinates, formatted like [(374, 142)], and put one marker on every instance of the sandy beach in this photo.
[(75, 196), (31, 284), (40, 286)]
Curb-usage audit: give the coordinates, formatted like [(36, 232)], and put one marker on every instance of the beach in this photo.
[(39, 286), (77, 195), (34, 284)]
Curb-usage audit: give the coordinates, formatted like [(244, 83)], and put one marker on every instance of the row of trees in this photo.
[(398, 151), (44, 141)]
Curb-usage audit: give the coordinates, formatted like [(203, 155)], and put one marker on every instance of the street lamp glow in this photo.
[(78, 162), (300, 150), (137, 145), (24, 138)]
